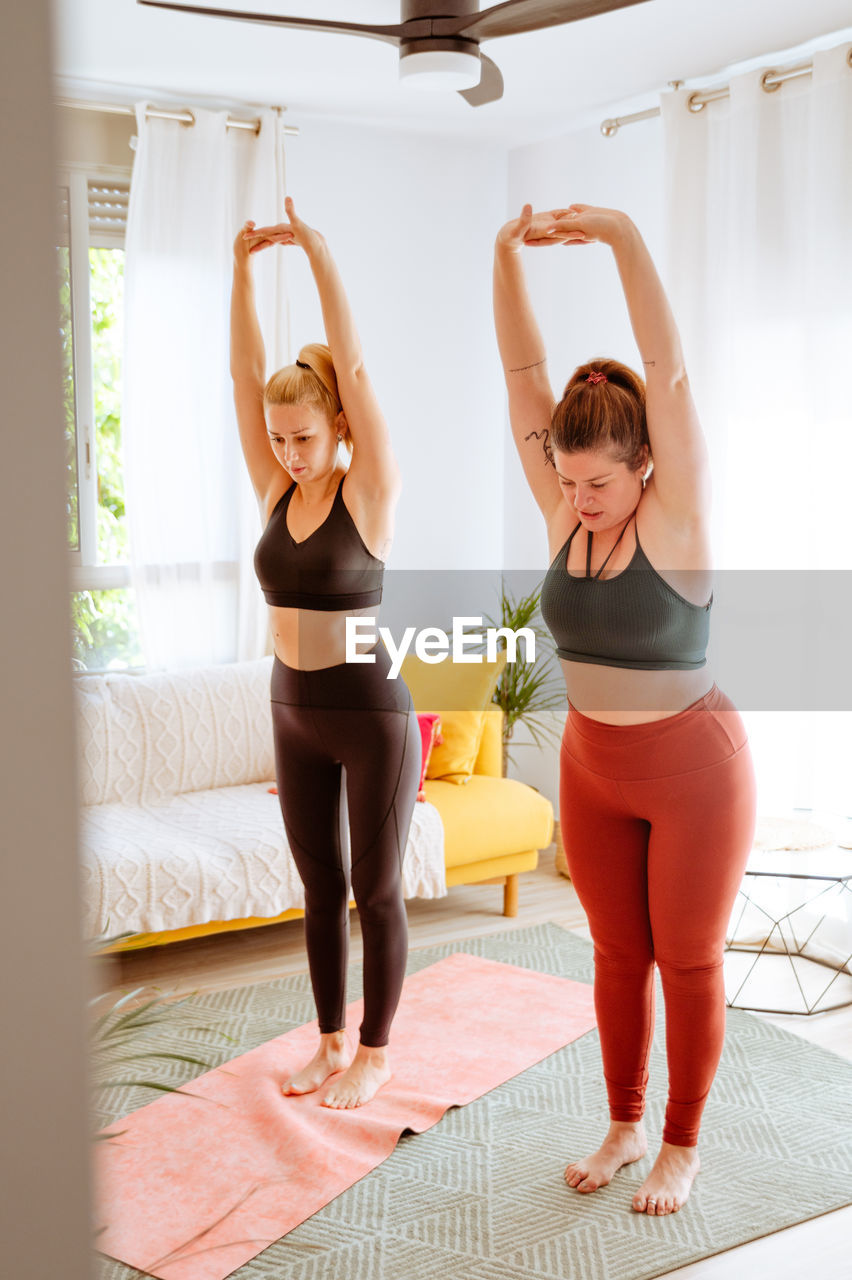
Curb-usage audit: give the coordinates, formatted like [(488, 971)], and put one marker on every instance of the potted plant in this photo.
[(527, 691)]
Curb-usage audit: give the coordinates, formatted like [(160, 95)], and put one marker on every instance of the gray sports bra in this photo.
[(634, 619)]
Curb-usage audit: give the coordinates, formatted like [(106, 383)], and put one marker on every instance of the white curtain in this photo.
[(192, 515), (759, 201)]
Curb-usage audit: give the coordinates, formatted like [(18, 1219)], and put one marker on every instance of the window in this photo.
[(93, 216)]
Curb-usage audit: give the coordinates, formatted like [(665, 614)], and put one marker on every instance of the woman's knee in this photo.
[(380, 903), (326, 893), (693, 976), (617, 960)]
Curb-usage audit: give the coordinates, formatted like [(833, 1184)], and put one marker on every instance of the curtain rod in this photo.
[(184, 116), (769, 82)]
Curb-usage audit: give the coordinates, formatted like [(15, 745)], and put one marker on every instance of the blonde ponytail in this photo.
[(311, 380)]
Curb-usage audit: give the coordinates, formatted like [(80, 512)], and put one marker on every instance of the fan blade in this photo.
[(390, 34), (490, 86), (517, 16)]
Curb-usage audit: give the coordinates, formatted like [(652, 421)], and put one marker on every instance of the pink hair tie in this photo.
[(596, 376)]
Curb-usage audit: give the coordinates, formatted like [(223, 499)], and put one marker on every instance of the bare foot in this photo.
[(332, 1055), (366, 1075), (666, 1188), (624, 1143)]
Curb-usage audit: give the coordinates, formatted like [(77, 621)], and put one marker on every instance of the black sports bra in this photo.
[(634, 619), (330, 569)]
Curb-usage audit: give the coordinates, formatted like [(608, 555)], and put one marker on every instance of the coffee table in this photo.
[(789, 945)]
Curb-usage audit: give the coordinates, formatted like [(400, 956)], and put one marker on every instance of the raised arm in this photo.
[(248, 372), (373, 469), (524, 359), (681, 469)]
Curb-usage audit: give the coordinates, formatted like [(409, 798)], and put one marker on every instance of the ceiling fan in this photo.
[(440, 39)]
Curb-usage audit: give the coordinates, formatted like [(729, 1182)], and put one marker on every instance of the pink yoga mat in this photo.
[(197, 1185)]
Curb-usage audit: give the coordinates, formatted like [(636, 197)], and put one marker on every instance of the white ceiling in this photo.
[(556, 80)]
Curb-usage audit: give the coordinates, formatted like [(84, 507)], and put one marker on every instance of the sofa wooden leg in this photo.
[(510, 896)]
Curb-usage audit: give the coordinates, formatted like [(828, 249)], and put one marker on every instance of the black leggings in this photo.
[(349, 717)]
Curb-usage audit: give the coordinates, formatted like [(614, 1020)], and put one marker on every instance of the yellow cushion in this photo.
[(490, 817), (460, 693), (490, 758), (454, 754)]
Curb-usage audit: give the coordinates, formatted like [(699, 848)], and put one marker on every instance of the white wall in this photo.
[(579, 305), (411, 222)]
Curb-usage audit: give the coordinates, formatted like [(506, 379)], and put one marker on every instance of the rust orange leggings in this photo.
[(657, 821)]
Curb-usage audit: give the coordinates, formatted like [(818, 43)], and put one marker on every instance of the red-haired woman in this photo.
[(327, 532), (656, 782)]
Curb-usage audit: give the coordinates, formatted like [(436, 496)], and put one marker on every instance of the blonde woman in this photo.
[(327, 533)]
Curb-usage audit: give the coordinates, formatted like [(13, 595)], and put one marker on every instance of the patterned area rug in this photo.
[(480, 1196)]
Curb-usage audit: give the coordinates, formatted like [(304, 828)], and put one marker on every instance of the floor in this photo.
[(820, 1246)]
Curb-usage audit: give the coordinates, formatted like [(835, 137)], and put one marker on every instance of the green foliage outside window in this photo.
[(106, 282), (105, 630), (104, 623)]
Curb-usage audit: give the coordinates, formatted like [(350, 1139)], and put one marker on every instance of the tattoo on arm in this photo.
[(523, 367), (544, 436), (650, 363)]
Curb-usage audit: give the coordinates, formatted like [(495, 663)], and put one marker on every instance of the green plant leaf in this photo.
[(526, 691), (157, 1053), (104, 1017), (134, 1018), (161, 1088)]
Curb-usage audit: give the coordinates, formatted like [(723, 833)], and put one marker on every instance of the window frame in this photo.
[(86, 572)]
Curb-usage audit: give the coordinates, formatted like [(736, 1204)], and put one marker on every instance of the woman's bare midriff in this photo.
[(621, 695), (309, 639)]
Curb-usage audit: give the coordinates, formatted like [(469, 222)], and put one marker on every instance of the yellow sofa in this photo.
[(493, 826)]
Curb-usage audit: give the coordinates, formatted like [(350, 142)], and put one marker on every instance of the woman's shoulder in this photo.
[(362, 488), (679, 554), (275, 498), (562, 526)]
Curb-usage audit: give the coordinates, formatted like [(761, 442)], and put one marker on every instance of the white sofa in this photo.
[(179, 829)]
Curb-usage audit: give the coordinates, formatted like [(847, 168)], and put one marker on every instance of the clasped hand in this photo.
[(251, 239), (576, 224)]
